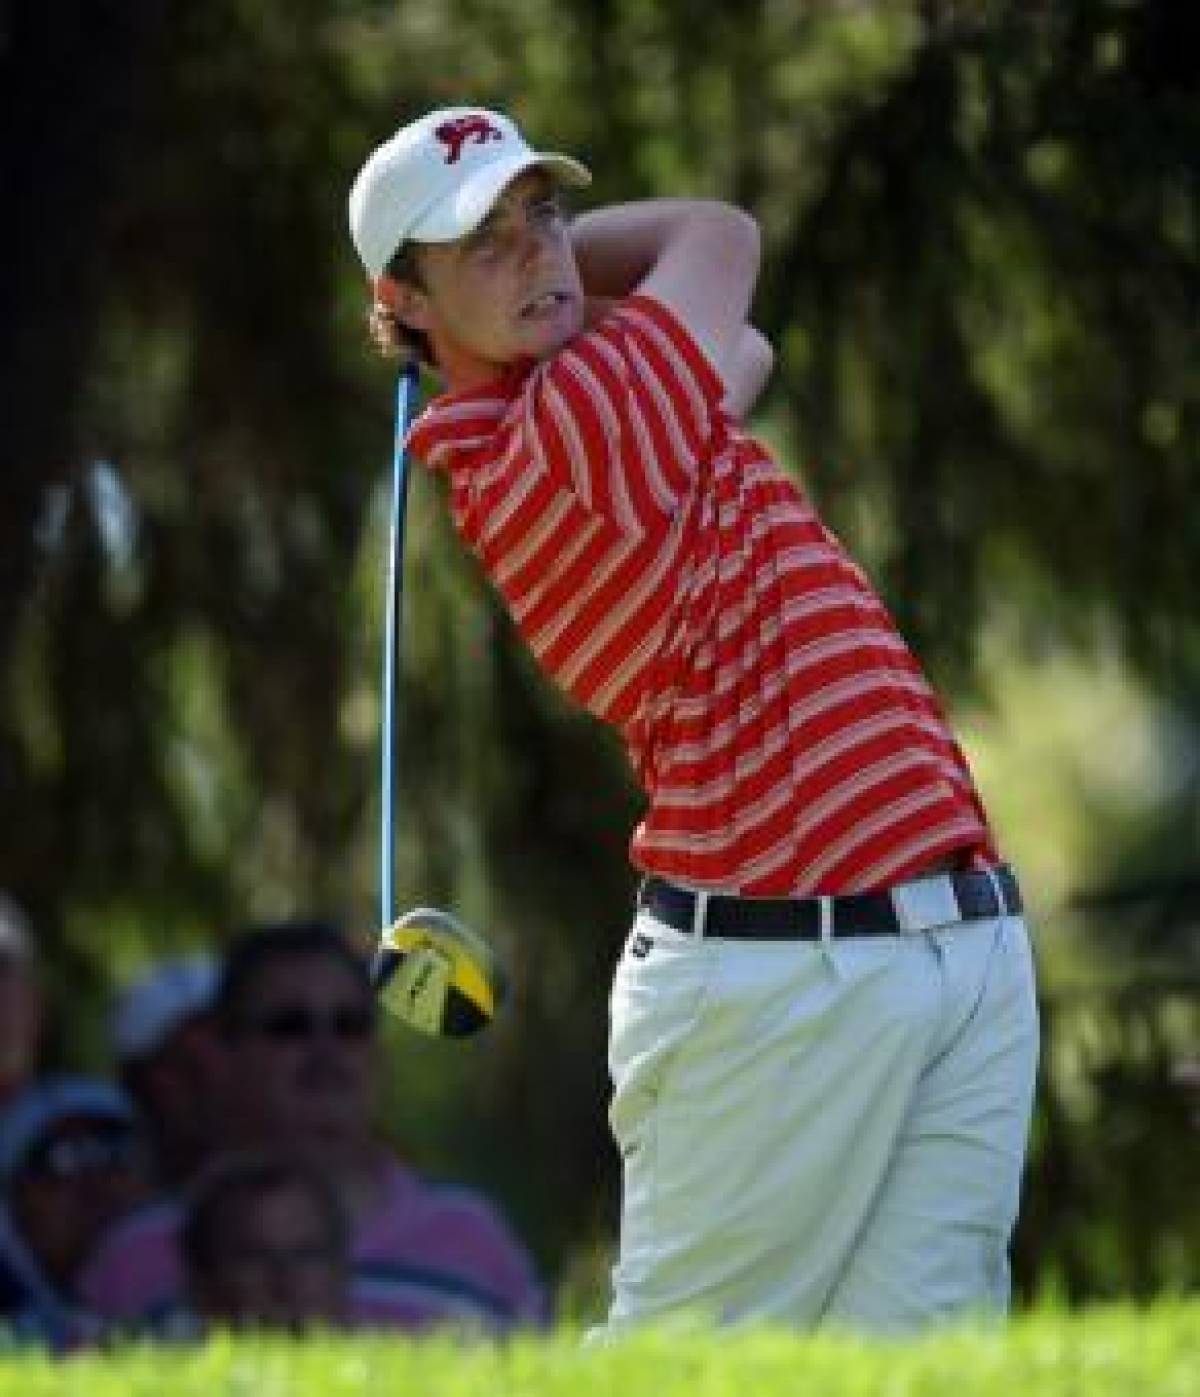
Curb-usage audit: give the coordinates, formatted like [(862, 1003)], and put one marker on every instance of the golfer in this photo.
[(823, 1031)]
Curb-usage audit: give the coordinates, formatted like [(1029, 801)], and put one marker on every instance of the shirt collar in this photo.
[(457, 421)]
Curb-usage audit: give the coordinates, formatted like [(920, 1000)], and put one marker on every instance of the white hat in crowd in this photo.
[(151, 1008), (35, 1111)]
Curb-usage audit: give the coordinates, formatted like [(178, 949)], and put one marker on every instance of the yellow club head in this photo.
[(435, 975)]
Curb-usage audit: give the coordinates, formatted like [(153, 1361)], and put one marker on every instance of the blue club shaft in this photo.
[(405, 392)]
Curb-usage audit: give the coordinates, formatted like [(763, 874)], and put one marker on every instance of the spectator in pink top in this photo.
[(295, 1019)]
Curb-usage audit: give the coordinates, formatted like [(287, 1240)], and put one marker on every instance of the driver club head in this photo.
[(437, 976)]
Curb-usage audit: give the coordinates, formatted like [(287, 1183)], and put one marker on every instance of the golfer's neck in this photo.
[(461, 369)]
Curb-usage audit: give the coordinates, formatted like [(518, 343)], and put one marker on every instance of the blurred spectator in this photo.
[(72, 1161), (20, 1001), (165, 1044), (296, 1020), (265, 1244)]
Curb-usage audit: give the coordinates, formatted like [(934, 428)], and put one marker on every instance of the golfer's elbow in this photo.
[(748, 371), (759, 354), (737, 235)]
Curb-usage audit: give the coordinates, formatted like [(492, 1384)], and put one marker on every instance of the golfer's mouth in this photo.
[(545, 304)]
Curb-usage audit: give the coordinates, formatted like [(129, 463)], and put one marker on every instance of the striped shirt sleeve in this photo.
[(624, 414)]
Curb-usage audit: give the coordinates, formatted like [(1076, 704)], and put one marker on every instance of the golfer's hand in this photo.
[(595, 308)]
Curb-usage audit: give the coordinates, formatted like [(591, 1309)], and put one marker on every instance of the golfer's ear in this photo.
[(406, 301)]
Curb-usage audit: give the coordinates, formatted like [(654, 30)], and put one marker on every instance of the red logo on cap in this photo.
[(455, 134)]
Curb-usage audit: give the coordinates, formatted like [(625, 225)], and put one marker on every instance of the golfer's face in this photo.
[(507, 291)]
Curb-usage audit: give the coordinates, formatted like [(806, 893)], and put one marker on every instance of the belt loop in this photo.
[(825, 914), (699, 911), (997, 891)]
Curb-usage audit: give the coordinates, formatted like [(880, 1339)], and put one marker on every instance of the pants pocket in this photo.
[(657, 1000), (657, 997)]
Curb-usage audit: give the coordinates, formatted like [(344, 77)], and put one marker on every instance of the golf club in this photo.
[(429, 970)]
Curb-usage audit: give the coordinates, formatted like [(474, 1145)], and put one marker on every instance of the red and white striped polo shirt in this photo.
[(676, 582)]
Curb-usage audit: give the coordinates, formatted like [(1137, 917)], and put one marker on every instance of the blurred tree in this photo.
[(992, 303), (72, 97)]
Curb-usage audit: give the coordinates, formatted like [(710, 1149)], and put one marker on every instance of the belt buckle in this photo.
[(925, 903)]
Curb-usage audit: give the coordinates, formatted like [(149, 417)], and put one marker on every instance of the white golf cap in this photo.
[(150, 1010), (436, 179)]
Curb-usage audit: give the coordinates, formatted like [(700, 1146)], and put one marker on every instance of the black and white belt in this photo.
[(938, 900)]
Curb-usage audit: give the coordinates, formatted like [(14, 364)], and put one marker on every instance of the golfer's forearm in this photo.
[(698, 258), (618, 246), (597, 307)]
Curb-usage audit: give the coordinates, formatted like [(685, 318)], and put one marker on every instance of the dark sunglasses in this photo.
[(293, 1022), (96, 1152)]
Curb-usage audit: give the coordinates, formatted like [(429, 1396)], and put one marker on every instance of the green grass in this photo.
[(1117, 1351)]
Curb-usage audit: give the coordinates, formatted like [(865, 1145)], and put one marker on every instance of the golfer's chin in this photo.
[(546, 335)]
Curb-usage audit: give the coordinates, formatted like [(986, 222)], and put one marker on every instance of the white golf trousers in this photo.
[(820, 1132)]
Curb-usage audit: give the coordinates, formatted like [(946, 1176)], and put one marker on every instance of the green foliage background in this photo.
[(982, 276)]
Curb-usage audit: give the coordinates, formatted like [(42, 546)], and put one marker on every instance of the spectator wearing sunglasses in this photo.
[(296, 1021), (72, 1161)]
